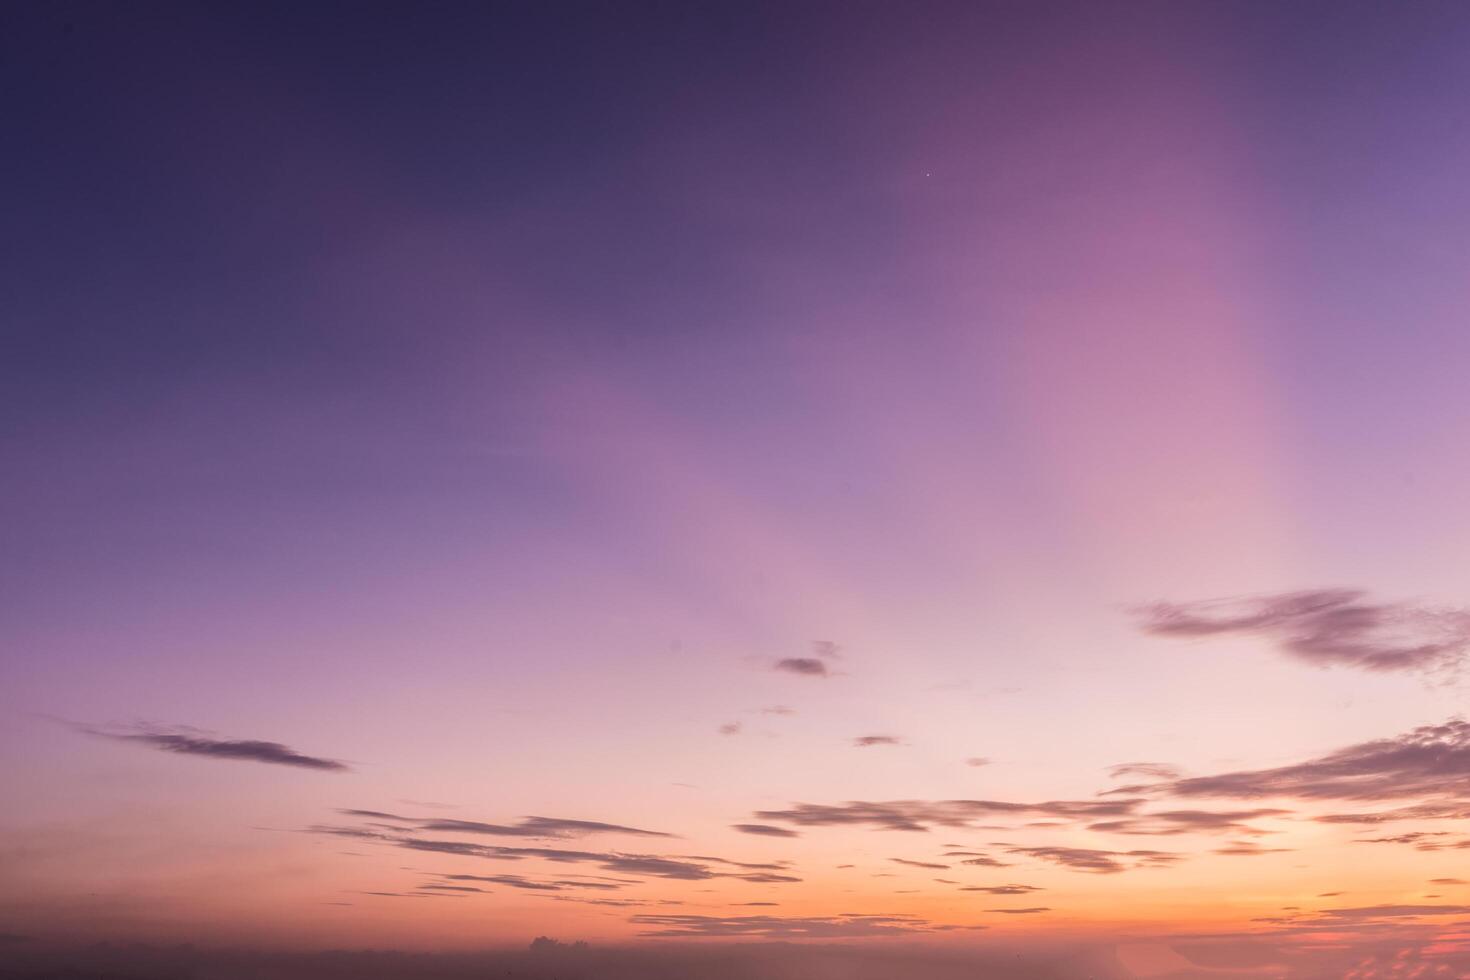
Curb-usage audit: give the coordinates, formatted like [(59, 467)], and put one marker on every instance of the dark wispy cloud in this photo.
[(693, 868), (1172, 822), (813, 666), (780, 927), (1098, 861), (1002, 889), (920, 864), (1148, 770), (730, 728), (191, 742), (806, 666), (1433, 760), (867, 741), (1326, 627), (548, 827), (553, 885), (1030, 911), (977, 761), (921, 815), (777, 709), (764, 830), (1422, 839)]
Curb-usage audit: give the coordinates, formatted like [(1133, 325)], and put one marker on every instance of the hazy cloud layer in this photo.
[(1326, 627), (1098, 861), (778, 927), (690, 868), (921, 815), (1171, 822)]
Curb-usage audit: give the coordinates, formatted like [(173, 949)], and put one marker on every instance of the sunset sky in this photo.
[(967, 476)]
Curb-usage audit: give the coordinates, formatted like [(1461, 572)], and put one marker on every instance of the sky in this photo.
[(939, 480)]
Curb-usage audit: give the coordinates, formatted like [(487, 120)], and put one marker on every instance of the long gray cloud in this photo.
[(1430, 761), (1325, 627), (249, 750), (554, 827)]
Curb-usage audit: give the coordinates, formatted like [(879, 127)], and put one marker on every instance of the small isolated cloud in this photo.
[(867, 741), (764, 830), (1147, 770), (920, 864), (977, 761), (826, 649), (190, 742), (1003, 889), (1448, 881), (1326, 628), (777, 709), (805, 666), (730, 728), (1030, 911)]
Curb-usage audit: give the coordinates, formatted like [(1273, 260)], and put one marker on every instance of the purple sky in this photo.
[(679, 416)]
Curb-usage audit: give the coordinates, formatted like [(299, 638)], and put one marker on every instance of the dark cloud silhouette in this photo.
[(866, 741), (730, 728), (454, 888), (1433, 760), (977, 761), (1098, 861), (806, 666), (1326, 627), (764, 830), (250, 750), (1171, 822), (919, 864), (1002, 889), (1030, 911), (920, 815), (1445, 881)]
